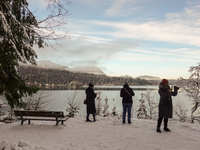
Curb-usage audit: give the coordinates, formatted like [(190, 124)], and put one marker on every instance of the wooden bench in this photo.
[(24, 115)]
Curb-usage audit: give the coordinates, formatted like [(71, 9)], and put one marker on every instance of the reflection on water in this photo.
[(60, 88), (117, 88), (103, 88)]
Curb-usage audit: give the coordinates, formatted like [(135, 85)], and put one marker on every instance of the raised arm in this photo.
[(175, 92)]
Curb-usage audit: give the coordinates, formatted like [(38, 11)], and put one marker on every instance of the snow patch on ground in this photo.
[(106, 133), (1, 123), (22, 145)]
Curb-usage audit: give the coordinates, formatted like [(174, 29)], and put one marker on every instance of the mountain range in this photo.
[(146, 77), (46, 64)]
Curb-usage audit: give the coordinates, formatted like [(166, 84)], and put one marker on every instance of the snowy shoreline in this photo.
[(107, 133)]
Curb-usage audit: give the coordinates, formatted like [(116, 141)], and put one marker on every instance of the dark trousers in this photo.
[(87, 117), (127, 106), (160, 122)]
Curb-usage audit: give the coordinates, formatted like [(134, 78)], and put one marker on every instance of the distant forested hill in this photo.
[(35, 75)]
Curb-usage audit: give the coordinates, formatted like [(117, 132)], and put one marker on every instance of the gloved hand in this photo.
[(176, 88)]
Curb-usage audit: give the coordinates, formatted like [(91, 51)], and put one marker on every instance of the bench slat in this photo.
[(39, 113), (45, 119), (41, 118)]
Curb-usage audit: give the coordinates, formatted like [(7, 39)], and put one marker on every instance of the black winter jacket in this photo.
[(126, 98)]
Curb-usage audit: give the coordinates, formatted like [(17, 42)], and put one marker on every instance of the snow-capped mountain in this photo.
[(89, 69), (146, 77), (126, 76), (46, 64), (82, 69), (50, 65)]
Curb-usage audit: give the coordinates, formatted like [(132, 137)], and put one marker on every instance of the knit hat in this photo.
[(91, 85), (126, 86), (164, 81)]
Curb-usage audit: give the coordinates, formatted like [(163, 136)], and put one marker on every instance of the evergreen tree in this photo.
[(99, 106), (142, 113), (17, 37), (106, 106)]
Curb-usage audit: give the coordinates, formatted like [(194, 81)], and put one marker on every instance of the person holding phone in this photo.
[(165, 104)]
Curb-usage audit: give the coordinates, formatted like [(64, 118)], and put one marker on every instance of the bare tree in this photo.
[(37, 101), (181, 111), (152, 106), (73, 106), (192, 88), (53, 26)]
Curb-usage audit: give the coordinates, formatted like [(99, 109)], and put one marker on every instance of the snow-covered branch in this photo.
[(192, 87)]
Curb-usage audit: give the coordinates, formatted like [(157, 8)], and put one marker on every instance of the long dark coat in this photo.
[(165, 104), (90, 96)]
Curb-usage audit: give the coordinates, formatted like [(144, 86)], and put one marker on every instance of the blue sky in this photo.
[(128, 37)]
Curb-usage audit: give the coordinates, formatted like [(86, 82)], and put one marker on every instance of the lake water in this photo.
[(59, 97)]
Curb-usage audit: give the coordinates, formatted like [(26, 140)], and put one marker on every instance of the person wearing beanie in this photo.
[(127, 102), (165, 104), (91, 85), (90, 98)]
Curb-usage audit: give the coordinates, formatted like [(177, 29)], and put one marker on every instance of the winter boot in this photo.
[(158, 130), (88, 120), (167, 129)]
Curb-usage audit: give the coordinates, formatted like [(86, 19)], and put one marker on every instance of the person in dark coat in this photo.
[(127, 102), (165, 104), (90, 98)]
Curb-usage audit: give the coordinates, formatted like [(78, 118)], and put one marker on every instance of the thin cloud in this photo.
[(121, 8), (185, 54), (126, 7), (193, 2), (145, 57), (172, 31), (82, 49), (182, 28), (97, 51)]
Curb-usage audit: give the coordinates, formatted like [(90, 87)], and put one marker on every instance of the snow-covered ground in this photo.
[(104, 134)]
